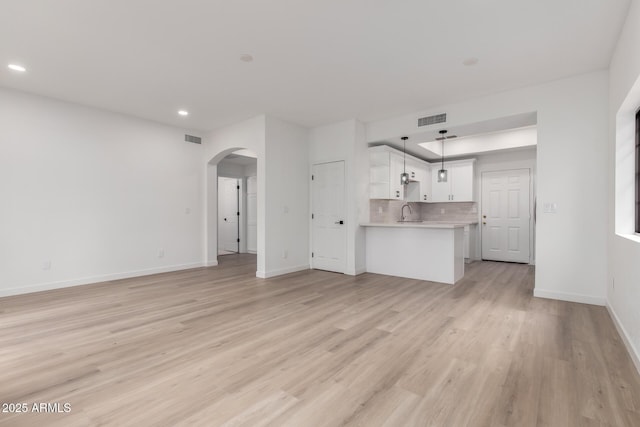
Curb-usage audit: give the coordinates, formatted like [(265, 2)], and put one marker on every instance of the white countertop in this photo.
[(424, 224)]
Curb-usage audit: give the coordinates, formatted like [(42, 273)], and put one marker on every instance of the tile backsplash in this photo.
[(455, 211), (389, 211)]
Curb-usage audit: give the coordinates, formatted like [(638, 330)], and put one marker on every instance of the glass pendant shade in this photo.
[(442, 173), (404, 178)]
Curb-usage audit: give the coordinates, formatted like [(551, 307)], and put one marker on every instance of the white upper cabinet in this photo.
[(384, 174), (386, 165), (441, 190), (462, 182), (396, 190), (424, 180), (459, 185)]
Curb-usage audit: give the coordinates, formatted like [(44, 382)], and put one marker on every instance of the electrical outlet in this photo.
[(46, 265), (285, 254), (160, 253)]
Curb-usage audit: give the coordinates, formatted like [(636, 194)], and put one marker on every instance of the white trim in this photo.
[(635, 237), (252, 252), (211, 263), (633, 352), (356, 272), (346, 214), (562, 296), (96, 279), (532, 202), (281, 271)]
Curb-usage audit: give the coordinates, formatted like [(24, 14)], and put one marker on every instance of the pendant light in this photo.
[(442, 173), (404, 176)]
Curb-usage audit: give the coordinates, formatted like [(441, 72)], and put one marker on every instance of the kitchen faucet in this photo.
[(406, 205)]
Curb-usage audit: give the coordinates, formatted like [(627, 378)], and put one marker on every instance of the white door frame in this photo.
[(532, 207), (311, 233), (210, 236), (239, 218)]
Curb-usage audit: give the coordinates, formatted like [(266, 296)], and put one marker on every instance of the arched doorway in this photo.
[(232, 163)]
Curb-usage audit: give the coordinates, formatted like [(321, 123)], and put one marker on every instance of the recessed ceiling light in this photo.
[(470, 61), (183, 112), (245, 57), (16, 67)]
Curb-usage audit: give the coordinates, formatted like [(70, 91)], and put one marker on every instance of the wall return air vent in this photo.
[(194, 139), (432, 120)]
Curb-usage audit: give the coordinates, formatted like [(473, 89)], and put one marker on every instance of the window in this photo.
[(638, 171)]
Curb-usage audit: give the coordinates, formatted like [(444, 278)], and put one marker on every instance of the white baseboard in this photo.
[(279, 272), (211, 263), (633, 352), (584, 299), (356, 272), (95, 279), (251, 252)]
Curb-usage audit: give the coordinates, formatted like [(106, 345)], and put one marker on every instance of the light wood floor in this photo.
[(217, 346)]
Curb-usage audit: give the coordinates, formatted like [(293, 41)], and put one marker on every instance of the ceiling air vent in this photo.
[(194, 139), (432, 120)]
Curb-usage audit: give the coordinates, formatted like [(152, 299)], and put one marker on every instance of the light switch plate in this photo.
[(550, 207)]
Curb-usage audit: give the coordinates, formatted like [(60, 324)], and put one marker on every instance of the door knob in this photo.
[(339, 222), (484, 223)]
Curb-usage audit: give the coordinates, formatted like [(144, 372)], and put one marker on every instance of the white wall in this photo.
[(345, 141), (287, 198), (94, 193), (248, 134), (507, 160), (230, 170), (572, 132), (623, 290)]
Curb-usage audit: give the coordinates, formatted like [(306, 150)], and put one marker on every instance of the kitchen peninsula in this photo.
[(426, 250)]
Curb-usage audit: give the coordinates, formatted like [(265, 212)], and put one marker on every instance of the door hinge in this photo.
[(237, 187), (238, 213), (312, 177), (311, 216), (311, 254), (238, 240)]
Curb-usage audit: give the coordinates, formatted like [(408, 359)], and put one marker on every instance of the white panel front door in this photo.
[(329, 230), (506, 215), (228, 214)]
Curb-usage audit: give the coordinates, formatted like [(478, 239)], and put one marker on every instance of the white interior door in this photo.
[(228, 214), (329, 230), (252, 214), (506, 215)]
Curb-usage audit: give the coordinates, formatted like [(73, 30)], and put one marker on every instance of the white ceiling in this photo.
[(512, 139), (316, 62), (469, 138), (238, 159)]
